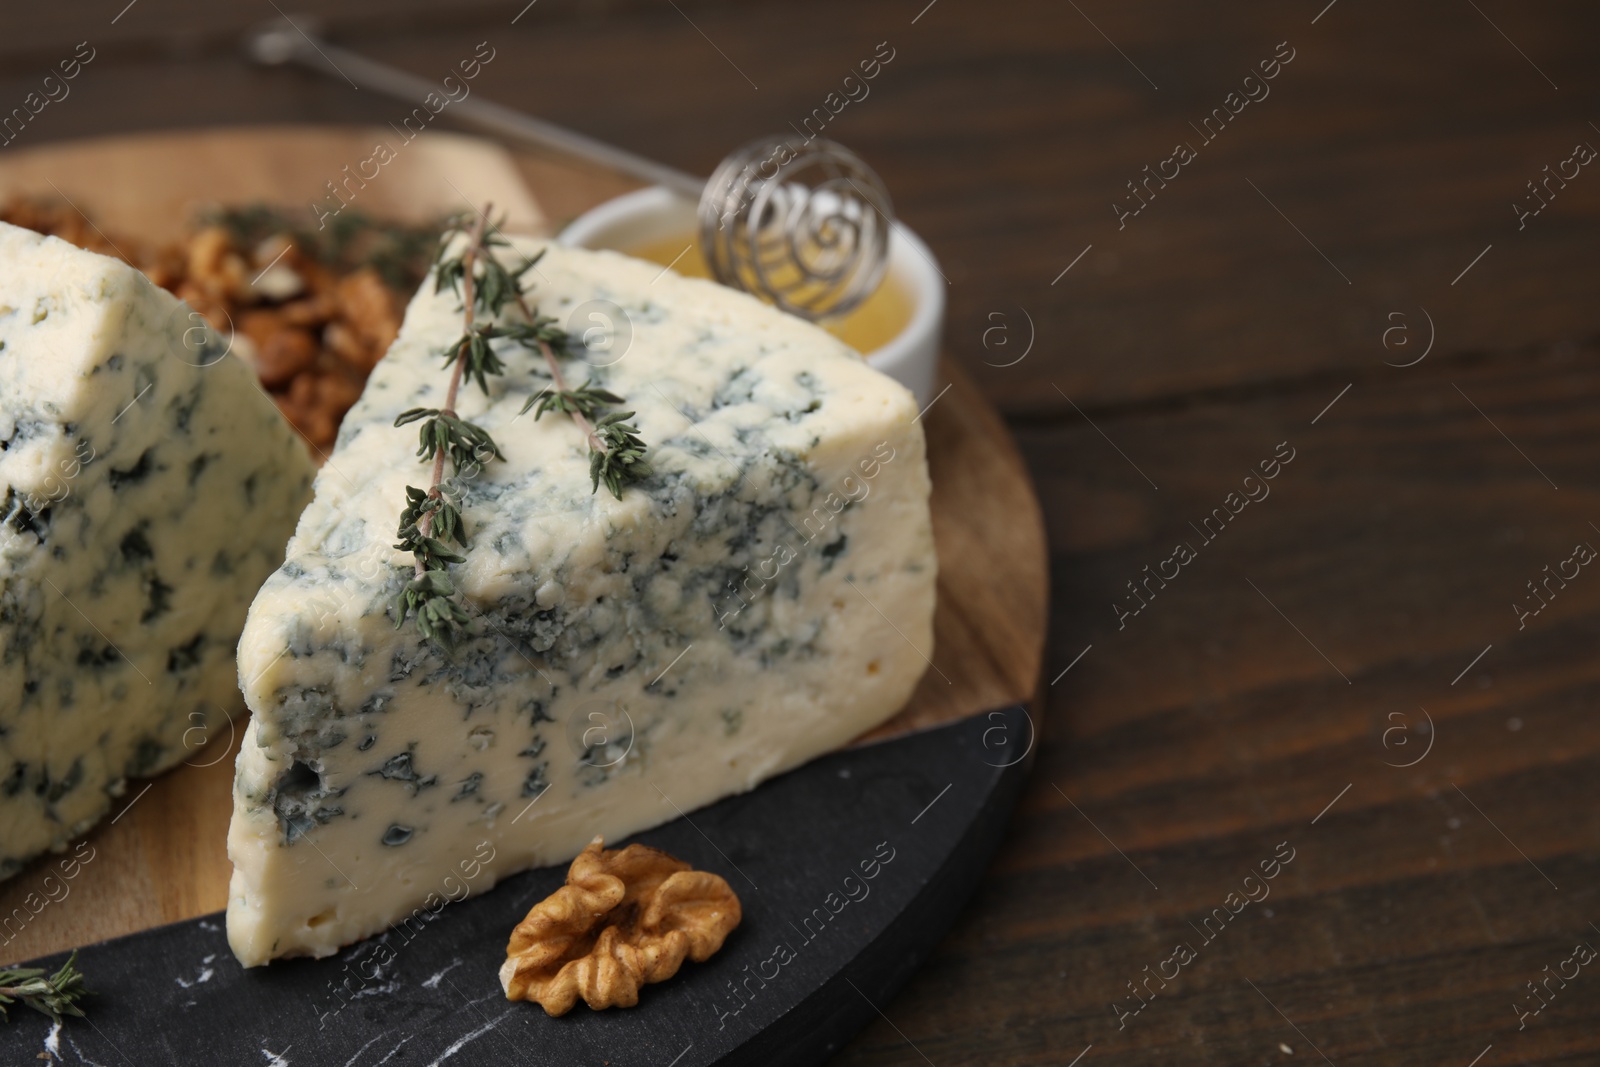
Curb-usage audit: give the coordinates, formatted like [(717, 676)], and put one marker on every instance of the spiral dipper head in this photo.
[(802, 224)]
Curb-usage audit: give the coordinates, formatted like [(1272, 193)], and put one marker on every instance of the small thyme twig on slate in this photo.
[(55, 996), (616, 453), (430, 517)]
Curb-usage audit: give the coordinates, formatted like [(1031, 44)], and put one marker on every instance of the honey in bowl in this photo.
[(877, 321)]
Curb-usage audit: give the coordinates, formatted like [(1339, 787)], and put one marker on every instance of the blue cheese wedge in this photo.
[(764, 596), (147, 488)]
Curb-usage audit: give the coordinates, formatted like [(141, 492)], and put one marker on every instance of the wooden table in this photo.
[(1275, 293)]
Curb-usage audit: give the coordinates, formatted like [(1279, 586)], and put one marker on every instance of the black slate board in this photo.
[(928, 809)]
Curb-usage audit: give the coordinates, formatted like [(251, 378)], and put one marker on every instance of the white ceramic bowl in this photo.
[(910, 358)]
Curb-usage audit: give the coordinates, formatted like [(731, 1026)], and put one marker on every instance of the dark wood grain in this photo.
[(1208, 730), (1196, 339)]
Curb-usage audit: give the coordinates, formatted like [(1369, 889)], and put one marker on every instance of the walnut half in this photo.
[(625, 917)]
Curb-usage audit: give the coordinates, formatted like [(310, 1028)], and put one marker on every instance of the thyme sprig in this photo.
[(55, 996), (445, 435), (432, 518), (616, 452)]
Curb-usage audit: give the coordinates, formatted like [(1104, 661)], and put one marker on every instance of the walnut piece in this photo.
[(625, 917)]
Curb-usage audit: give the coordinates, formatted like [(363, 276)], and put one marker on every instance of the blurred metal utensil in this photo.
[(802, 223)]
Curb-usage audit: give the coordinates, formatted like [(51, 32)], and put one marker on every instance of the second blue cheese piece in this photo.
[(147, 487), (765, 596)]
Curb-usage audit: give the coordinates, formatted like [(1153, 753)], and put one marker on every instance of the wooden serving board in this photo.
[(162, 857)]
